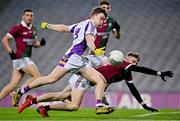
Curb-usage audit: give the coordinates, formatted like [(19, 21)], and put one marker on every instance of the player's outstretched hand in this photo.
[(149, 108), (99, 51), (43, 42), (44, 25), (166, 73)]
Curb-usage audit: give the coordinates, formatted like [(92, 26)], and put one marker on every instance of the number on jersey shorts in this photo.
[(78, 82), (22, 62), (76, 62)]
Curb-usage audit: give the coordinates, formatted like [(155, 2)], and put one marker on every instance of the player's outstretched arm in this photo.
[(55, 27), (5, 42), (137, 95), (151, 71)]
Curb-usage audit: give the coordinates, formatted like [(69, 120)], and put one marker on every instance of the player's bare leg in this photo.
[(74, 105), (104, 100), (56, 74), (94, 76), (76, 99), (55, 96), (16, 77), (33, 71)]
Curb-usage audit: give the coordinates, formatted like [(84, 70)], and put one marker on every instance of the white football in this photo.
[(116, 57)]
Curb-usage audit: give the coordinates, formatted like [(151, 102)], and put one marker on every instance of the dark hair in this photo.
[(98, 10), (104, 2), (27, 10), (134, 54)]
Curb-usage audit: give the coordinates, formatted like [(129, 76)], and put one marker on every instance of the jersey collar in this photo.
[(25, 25)]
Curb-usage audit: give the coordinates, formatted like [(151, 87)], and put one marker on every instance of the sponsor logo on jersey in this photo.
[(29, 41)]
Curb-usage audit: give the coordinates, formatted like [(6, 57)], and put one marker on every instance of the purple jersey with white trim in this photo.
[(79, 31)]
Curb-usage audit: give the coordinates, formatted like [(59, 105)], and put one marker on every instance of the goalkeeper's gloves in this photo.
[(12, 55), (149, 108), (43, 42), (165, 73), (99, 51), (44, 25)]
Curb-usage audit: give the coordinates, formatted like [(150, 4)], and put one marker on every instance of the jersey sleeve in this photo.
[(72, 27), (128, 77), (13, 32), (90, 29), (125, 65)]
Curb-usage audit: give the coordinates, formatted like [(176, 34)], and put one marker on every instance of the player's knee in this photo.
[(101, 82), (74, 107)]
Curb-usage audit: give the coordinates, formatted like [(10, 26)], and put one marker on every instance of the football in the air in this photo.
[(116, 57)]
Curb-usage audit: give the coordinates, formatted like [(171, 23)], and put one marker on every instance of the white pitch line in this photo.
[(88, 120), (150, 114)]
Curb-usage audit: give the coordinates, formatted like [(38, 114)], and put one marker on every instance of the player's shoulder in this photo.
[(84, 22), (124, 64), (17, 26)]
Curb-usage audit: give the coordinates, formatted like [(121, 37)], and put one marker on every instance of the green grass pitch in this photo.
[(10, 114)]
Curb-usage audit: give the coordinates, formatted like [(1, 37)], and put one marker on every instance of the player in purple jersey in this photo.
[(102, 37), (25, 36), (84, 35)]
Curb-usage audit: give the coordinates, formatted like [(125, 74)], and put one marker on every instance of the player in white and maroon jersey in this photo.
[(25, 36), (111, 73), (84, 34)]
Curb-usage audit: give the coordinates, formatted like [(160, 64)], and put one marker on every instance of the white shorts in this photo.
[(78, 82), (96, 60), (81, 83), (75, 63), (22, 62)]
